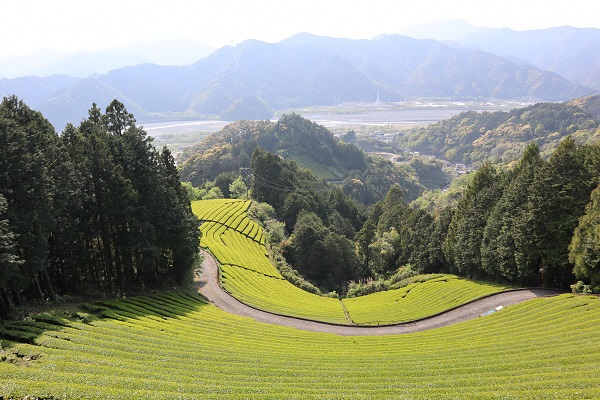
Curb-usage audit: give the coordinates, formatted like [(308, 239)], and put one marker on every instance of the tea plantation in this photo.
[(176, 345)]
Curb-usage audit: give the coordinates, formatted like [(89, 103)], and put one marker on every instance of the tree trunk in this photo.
[(108, 259), (48, 284), (38, 287), (5, 303)]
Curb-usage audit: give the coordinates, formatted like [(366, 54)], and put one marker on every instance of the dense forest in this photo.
[(96, 208), (506, 225)]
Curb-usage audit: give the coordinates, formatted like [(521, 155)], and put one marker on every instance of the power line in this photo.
[(265, 182), (262, 180), (586, 95)]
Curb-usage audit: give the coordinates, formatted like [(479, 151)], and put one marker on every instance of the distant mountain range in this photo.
[(571, 52), (302, 70)]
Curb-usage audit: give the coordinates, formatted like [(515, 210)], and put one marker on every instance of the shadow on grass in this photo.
[(162, 306)]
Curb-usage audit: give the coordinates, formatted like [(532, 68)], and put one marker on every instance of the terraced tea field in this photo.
[(247, 274), (176, 346)]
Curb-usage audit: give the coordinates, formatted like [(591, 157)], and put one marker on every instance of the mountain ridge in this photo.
[(306, 70), (569, 51)]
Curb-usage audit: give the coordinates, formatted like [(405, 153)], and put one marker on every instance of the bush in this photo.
[(581, 288), (394, 282)]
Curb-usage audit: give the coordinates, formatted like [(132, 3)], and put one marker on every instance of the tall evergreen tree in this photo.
[(9, 261), (584, 249), (29, 154), (394, 209), (363, 240), (558, 198), (508, 251), (465, 233)]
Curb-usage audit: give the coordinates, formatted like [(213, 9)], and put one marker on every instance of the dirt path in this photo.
[(208, 285)]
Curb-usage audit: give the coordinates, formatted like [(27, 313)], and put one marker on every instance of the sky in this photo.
[(27, 26)]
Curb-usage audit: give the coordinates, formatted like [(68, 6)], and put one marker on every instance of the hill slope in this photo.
[(472, 137), (569, 51), (310, 145), (246, 272)]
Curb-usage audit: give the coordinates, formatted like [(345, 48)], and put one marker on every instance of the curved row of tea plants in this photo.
[(321, 170), (248, 274), (417, 300), (230, 213), (176, 346), (279, 296)]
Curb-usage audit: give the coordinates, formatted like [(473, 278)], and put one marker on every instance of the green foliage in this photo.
[(384, 252), (584, 249), (361, 289), (9, 260), (581, 288), (29, 175), (193, 193), (322, 256), (372, 185), (427, 172), (238, 189), (311, 145)]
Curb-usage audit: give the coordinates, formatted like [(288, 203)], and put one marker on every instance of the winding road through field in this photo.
[(208, 286)]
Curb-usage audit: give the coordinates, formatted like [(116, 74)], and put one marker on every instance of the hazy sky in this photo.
[(30, 25)]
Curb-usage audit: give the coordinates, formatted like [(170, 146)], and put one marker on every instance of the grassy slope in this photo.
[(174, 347)]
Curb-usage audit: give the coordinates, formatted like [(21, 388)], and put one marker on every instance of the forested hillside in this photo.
[(471, 137), (310, 145), (507, 225), (94, 209)]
